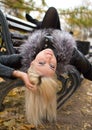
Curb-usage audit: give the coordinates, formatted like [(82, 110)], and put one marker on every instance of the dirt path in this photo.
[(75, 114)]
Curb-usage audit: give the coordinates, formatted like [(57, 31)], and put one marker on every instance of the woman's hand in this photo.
[(25, 78)]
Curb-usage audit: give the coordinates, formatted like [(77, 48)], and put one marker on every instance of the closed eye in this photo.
[(52, 66), (41, 62)]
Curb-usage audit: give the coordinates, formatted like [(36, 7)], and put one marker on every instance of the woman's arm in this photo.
[(8, 63), (8, 66)]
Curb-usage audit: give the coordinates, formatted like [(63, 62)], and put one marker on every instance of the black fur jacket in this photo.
[(61, 42)]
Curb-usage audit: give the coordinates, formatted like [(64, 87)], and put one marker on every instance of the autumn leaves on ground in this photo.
[(75, 114)]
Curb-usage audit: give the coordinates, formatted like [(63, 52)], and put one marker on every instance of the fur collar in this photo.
[(63, 42)]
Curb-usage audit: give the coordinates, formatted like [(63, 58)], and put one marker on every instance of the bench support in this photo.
[(6, 87), (6, 34)]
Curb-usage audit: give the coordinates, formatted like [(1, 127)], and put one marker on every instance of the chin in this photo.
[(40, 105)]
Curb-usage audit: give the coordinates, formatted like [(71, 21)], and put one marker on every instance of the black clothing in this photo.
[(82, 64), (8, 63), (50, 20)]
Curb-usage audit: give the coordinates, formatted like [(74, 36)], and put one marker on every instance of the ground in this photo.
[(75, 114)]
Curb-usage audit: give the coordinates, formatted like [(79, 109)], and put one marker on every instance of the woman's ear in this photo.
[(51, 19)]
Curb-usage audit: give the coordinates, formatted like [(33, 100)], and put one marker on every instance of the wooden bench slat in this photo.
[(19, 27), (19, 21)]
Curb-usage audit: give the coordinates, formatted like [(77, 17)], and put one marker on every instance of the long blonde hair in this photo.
[(41, 105)]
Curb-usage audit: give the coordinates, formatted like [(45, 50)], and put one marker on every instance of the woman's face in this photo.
[(45, 62)]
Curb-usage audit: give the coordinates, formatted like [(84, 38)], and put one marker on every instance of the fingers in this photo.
[(32, 87), (28, 83)]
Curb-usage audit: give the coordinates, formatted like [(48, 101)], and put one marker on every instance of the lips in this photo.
[(49, 54)]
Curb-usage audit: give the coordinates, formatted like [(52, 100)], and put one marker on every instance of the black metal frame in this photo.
[(6, 34), (70, 83)]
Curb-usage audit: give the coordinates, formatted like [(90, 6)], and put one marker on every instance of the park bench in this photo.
[(13, 33)]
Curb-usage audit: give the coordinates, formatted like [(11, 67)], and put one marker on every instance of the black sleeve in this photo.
[(82, 64), (8, 63)]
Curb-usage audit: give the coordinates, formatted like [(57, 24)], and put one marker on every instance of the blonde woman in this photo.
[(51, 51)]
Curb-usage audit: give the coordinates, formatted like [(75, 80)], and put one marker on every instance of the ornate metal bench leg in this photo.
[(69, 87), (6, 87)]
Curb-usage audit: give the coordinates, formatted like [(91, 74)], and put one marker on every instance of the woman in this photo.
[(78, 59), (51, 20), (9, 63), (64, 49), (50, 50)]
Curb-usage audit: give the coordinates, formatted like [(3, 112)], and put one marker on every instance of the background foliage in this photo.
[(77, 20)]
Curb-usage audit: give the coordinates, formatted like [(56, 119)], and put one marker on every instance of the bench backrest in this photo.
[(13, 32)]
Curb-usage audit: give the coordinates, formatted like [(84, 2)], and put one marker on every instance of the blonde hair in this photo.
[(41, 105)]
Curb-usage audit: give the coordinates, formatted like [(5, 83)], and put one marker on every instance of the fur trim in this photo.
[(63, 42)]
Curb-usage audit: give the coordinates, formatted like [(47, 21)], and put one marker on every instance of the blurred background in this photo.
[(75, 15)]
